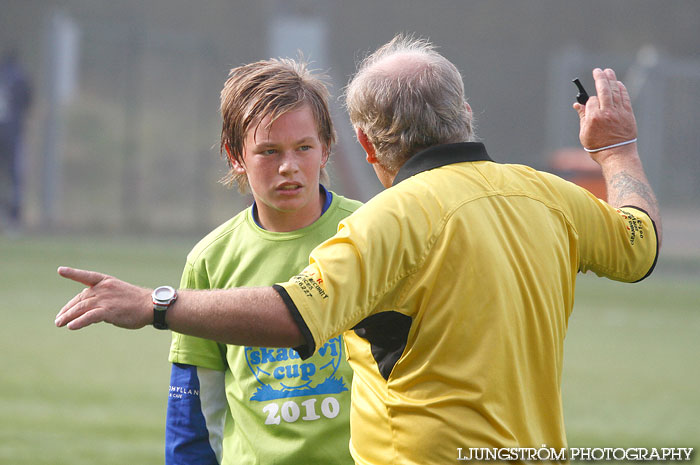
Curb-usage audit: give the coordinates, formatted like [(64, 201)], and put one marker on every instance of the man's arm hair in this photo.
[(255, 316), (244, 316), (627, 185), (623, 184)]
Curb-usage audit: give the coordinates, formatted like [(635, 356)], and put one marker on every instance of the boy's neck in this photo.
[(292, 221)]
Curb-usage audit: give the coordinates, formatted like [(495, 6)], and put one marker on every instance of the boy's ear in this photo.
[(237, 166), (324, 156)]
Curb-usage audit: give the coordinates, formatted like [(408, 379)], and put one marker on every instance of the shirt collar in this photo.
[(441, 155)]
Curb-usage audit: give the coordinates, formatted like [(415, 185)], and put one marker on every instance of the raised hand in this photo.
[(606, 119)]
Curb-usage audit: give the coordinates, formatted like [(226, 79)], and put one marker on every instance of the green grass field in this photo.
[(98, 396)]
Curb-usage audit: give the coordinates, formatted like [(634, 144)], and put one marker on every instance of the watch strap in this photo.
[(159, 317)]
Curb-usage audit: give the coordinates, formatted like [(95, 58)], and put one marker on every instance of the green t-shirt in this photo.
[(281, 409)]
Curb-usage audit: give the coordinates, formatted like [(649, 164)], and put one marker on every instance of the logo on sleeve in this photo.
[(635, 226), (311, 285), (282, 373)]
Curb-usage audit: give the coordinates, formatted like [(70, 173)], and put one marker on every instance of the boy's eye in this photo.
[(269, 152), (305, 147)]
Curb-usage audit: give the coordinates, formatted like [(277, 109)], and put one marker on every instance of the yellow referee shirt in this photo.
[(454, 288)]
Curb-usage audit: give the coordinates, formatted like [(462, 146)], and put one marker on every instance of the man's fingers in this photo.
[(80, 303), (72, 302), (610, 74), (625, 96), (72, 311), (590, 106), (602, 87), (614, 86), (89, 278), (95, 315)]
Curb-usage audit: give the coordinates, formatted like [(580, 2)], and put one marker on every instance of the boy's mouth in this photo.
[(288, 187)]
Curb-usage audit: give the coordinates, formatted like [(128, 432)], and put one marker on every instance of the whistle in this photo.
[(582, 96)]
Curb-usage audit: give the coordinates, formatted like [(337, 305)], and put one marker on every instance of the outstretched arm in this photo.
[(607, 119), (244, 316)]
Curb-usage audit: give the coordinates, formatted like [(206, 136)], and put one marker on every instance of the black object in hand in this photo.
[(582, 96)]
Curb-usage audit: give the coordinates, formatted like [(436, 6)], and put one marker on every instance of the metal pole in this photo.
[(61, 60)]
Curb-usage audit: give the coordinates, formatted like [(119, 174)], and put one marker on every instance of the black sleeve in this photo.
[(656, 233), (307, 350)]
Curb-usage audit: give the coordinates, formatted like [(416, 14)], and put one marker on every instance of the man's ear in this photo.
[(367, 146), (237, 166)]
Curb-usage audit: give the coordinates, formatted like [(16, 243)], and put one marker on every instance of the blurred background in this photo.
[(111, 112), (123, 125)]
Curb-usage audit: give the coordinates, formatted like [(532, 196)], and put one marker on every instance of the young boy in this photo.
[(235, 404)]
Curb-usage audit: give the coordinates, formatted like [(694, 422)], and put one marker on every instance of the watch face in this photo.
[(164, 293)]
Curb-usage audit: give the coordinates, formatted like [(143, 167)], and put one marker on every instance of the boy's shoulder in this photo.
[(219, 235), (345, 203)]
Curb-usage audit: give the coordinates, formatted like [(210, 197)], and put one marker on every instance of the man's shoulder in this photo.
[(442, 189)]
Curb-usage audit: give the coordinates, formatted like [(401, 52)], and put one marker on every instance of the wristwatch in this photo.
[(163, 297)]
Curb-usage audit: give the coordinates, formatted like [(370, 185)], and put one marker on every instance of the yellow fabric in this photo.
[(483, 257)]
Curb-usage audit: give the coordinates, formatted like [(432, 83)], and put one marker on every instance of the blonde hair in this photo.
[(407, 97), (269, 88)]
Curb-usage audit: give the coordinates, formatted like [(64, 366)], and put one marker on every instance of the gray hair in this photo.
[(407, 97)]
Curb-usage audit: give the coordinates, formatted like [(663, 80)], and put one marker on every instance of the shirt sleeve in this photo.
[(356, 273), (617, 243), (197, 398), (195, 416), (313, 296)]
